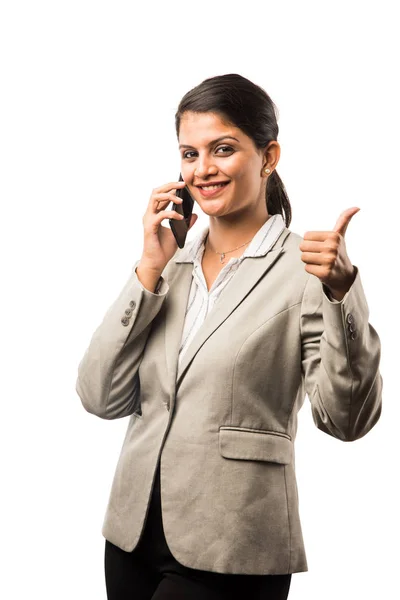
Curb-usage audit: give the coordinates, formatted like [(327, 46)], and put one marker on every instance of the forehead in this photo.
[(202, 127)]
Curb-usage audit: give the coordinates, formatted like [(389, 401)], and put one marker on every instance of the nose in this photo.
[(204, 167)]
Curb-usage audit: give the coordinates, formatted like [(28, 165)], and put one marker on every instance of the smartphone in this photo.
[(181, 227)]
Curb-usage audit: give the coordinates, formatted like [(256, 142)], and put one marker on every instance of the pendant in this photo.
[(222, 257)]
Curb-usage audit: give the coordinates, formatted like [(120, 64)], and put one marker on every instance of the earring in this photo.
[(267, 170)]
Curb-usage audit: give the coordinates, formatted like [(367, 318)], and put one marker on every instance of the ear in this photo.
[(271, 155)]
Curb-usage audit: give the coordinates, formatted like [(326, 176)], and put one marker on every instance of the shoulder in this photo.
[(292, 240)]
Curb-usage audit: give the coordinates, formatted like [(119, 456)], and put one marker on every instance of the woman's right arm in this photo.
[(108, 381)]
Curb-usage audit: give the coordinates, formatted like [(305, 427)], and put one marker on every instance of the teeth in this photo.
[(213, 187)]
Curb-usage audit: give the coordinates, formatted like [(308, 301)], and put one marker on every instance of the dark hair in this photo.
[(247, 106)]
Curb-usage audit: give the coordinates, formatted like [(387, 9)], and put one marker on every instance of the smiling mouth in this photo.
[(212, 190), (213, 187)]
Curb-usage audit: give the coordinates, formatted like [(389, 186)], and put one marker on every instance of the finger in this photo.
[(193, 219), (344, 220), (165, 203), (164, 199), (317, 236), (173, 185), (311, 246), (314, 258), (316, 270), (168, 214), (164, 196)]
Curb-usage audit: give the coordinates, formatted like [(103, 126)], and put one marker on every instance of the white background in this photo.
[(89, 93)]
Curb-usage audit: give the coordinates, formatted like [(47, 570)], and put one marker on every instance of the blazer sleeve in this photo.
[(108, 380), (340, 360)]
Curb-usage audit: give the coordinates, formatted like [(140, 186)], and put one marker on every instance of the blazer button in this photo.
[(352, 327), (353, 335), (125, 321), (132, 304), (128, 312), (350, 318)]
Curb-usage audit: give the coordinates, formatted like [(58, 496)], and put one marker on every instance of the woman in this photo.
[(210, 349)]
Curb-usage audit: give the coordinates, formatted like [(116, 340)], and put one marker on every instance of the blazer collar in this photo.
[(180, 279), (263, 240)]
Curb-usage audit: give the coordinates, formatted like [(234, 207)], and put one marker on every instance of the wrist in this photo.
[(339, 293), (149, 278)]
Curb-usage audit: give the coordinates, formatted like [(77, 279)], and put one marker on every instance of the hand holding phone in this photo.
[(160, 242)]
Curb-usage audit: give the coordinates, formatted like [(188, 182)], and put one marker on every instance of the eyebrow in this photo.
[(224, 137)]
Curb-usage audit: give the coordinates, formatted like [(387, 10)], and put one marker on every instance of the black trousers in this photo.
[(151, 572)]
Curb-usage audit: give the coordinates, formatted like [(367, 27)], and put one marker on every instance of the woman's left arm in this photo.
[(340, 348)]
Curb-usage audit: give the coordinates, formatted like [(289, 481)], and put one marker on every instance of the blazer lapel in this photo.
[(251, 271)]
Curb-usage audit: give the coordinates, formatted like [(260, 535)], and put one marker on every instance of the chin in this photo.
[(212, 209)]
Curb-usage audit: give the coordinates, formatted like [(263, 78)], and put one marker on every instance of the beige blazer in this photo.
[(224, 423)]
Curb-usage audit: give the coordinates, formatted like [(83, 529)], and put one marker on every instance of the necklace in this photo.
[(222, 254)]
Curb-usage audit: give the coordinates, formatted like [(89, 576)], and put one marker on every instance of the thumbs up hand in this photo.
[(324, 253)]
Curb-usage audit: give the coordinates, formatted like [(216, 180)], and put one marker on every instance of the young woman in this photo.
[(211, 349)]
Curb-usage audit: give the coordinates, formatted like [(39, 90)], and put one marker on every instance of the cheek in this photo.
[(239, 168), (186, 171)]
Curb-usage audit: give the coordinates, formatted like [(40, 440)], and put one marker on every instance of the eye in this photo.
[(185, 154), (225, 148)]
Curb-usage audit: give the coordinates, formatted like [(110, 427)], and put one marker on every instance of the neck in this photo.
[(224, 235)]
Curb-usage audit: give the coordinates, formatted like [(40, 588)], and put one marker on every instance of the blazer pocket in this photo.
[(255, 444)]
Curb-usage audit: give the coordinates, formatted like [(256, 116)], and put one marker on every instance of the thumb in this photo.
[(344, 219), (193, 219)]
